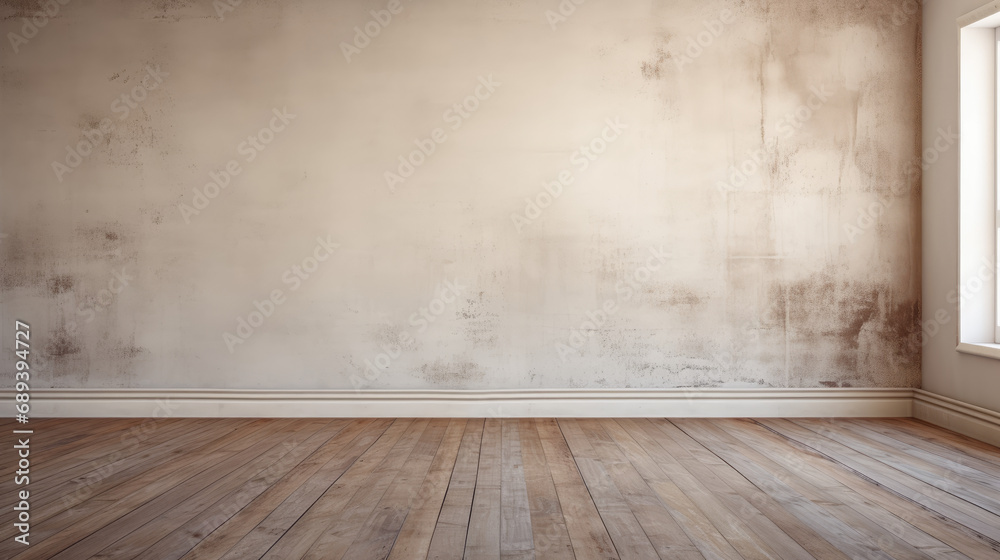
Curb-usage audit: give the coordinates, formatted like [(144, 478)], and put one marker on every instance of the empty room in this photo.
[(499, 279)]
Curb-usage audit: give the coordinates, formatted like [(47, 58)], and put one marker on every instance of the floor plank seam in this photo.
[(589, 493), (995, 544), (360, 433)]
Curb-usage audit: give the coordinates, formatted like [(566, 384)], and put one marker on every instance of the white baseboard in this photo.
[(957, 416), (692, 403)]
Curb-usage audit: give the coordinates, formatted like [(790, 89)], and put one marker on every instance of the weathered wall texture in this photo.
[(493, 194)]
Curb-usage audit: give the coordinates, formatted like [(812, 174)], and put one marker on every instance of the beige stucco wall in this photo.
[(567, 171)]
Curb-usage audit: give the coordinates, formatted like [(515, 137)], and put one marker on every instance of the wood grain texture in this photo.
[(590, 489)]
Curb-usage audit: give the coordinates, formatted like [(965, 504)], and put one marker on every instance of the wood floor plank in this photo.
[(112, 503), (310, 526), (515, 515), (134, 487), (650, 510), (86, 457), (718, 530), (414, 538), (256, 543), (838, 533), (914, 476), (821, 491), (944, 479), (719, 503), (378, 533), (548, 525), (72, 485), (183, 538), (483, 540), (452, 528), (69, 443), (891, 524), (960, 444), (949, 531), (77, 484), (945, 455), (630, 539), (55, 435), (586, 529), (690, 452), (333, 522), (701, 515), (956, 475), (85, 537), (588, 489), (916, 491), (140, 539), (248, 518), (89, 547)]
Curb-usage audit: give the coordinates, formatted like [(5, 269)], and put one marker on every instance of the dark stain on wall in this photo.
[(154, 215), (109, 241), (19, 8), (89, 122), (394, 336), (62, 344), (680, 296), (872, 325), (168, 9), (835, 384), (127, 351), (653, 69), (60, 284), (22, 256), (456, 373), (481, 324)]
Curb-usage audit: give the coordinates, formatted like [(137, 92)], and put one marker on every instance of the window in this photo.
[(996, 184), (978, 291)]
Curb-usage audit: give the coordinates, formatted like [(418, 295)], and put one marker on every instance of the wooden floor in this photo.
[(513, 488)]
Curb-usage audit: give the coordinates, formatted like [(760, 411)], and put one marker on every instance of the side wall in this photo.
[(971, 379)]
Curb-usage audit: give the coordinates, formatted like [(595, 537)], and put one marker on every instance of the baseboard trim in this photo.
[(671, 403), (957, 416)]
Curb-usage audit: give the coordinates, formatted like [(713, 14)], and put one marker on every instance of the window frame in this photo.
[(996, 184), (978, 291)]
